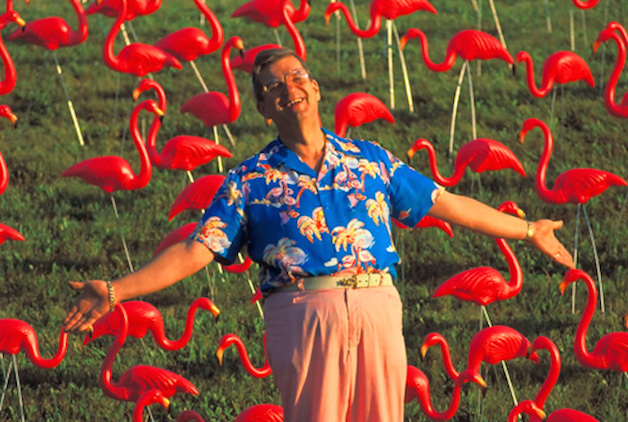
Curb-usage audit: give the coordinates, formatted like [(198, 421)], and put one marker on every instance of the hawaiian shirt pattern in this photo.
[(297, 223)]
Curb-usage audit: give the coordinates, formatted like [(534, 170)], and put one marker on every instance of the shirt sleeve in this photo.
[(411, 193), (222, 229)]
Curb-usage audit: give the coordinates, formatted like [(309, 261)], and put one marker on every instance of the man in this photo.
[(314, 211)]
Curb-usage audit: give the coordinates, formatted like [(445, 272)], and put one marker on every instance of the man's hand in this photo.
[(545, 240), (90, 306)]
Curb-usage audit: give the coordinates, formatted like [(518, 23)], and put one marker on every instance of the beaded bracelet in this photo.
[(112, 296)]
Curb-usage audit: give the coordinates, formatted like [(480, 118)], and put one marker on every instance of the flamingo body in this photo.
[(269, 12), (561, 67), (112, 8), (186, 152), (144, 317), (189, 43), (113, 173), (479, 155), (7, 113), (54, 32), (9, 233), (616, 32), (232, 339), (246, 61), (197, 195), (469, 44), (584, 5), (17, 335), (261, 413), (357, 109), (575, 186), (428, 221), (611, 351)]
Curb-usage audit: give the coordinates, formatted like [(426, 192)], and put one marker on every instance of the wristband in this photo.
[(529, 231), (112, 296)]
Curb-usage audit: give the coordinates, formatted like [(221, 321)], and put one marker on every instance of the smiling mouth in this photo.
[(293, 102)]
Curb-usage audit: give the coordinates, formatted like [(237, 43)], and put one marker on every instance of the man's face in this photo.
[(289, 92)]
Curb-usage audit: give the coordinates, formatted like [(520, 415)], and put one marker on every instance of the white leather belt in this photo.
[(355, 281)]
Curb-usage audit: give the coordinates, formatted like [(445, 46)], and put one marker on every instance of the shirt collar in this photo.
[(279, 153)]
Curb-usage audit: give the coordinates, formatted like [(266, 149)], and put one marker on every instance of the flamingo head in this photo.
[(6, 112), (527, 126), (472, 376), (626, 321), (571, 276), (331, 8), (208, 305), (12, 16), (144, 85), (512, 208), (412, 33), (528, 407), (224, 342), (416, 146), (606, 34), (430, 340)]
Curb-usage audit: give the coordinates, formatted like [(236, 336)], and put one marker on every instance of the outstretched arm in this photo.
[(173, 264), (472, 214)]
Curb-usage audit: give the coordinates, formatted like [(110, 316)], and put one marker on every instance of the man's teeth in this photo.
[(293, 102)]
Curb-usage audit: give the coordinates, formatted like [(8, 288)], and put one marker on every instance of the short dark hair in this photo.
[(265, 58)]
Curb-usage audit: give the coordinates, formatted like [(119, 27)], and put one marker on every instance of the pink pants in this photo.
[(338, 354)]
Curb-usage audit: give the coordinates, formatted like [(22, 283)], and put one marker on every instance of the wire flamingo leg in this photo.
[(75, 121), (454, 111), (359, 40), (126, 248), (404, 70), (597, 260), (19, 386)]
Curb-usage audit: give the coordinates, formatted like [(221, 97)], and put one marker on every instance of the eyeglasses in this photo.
[(297, 76)]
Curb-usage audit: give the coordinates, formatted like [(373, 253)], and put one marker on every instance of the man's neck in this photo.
[(307, 142)]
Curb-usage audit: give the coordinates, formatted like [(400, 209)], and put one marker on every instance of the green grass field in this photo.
[(72, 234)]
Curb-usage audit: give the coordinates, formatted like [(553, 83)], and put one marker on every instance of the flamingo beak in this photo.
[(596, 45), (521, 213), (402, 42), (423, 352), (219, 353), (13, 119), (21, 22), (626, 321), (136, 94), (563, 286)]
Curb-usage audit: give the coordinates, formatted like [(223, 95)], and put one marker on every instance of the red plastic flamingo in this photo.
[(214, 108), (270, 12), (560, 67), (139, 379), (245, 61), (611, 351), (469, 45), (183, 152), (17, 335), (54, 32), (189, 43), (136, 58), (261, 413), (134, 8), (418, 388), (10, 75), (177, 235), (574, 186), (485, 285), (378, 9), (479, 155), (534, 408), (148, 398), (197, 195), (428, 221), (113, 173), (581, 4), (144, 317), (357, 109), (616, 32), (229, 339)]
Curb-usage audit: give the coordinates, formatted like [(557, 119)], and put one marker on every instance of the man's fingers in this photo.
[(76, 285)]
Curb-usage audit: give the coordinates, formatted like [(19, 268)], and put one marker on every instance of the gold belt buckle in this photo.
[(351, 281)]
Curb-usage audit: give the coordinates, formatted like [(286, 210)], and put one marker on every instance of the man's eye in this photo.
[(274, 86)]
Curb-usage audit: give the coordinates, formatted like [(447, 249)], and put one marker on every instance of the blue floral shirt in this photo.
[(297, 223)]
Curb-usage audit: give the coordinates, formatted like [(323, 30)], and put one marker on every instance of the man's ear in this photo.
[(261, 108), (317, 88)]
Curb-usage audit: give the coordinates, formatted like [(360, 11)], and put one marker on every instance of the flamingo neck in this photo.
[(110, 389), (10, 76), (447, 361), (140, 180), (303, 12), (187, 332), (539, 182), (537, 92), (4, 175), (80, 35), (609, 92), (109, 57), (451, 181), (299, 45), (35, 357), (580, 342), (376, 21), (516, 275), (552, 376), (246, 361), (234, 95), (450, 411), (448, 62), (218, 35)]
